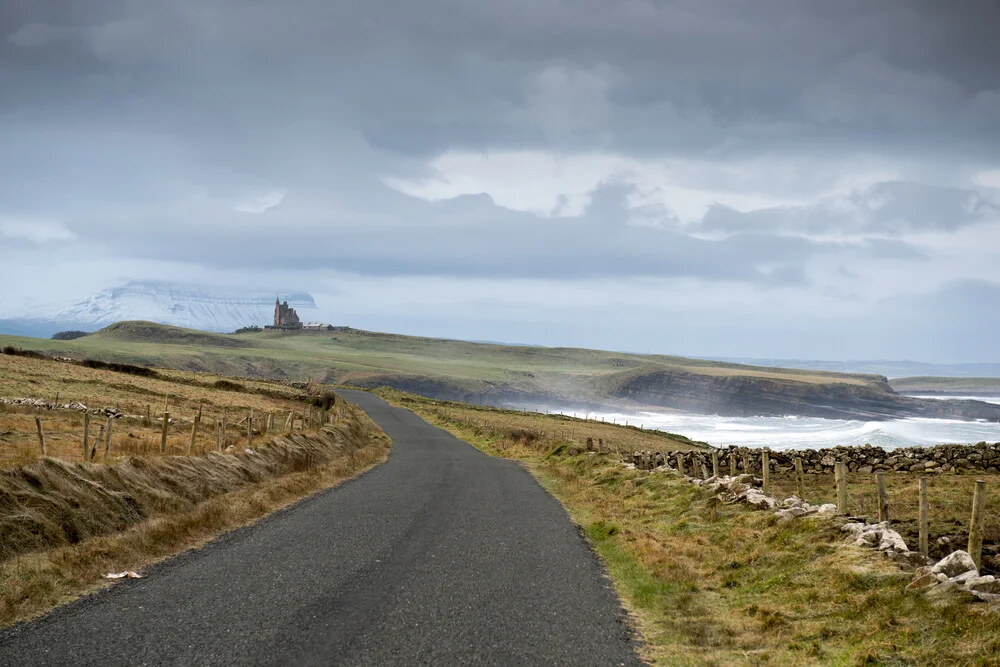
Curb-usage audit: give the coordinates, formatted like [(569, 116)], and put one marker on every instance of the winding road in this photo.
[(442, 555)]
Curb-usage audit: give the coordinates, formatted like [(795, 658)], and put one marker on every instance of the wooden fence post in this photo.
[(148, 421), (765, 469), (732, 463), (41, 434), (163, 432), (976, 525), (225, 426), (715, 464), (86, 435), (883, 497), (288, 422), (704, 471), (97, 443), (800, 486), (922, 493), (746, 463), (250, 428), (194, 431), (107, 439), (680, 463), (840, 477)]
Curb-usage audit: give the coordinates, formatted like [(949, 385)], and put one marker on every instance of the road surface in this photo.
[(442, 555)]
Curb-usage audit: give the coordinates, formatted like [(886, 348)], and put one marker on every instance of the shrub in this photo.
[(69, 335), (141, 371)]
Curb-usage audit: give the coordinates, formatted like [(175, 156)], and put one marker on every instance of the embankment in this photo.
[(63, 525)]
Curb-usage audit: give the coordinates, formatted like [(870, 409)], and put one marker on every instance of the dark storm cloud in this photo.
[(142, 125)]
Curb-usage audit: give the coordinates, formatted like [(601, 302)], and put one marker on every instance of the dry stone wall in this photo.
[(864, 459)]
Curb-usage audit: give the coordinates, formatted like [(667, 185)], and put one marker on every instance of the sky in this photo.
[(757, 178)]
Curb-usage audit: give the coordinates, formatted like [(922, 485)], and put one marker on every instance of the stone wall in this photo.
[(864, 459)]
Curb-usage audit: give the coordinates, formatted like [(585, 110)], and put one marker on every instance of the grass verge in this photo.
[(33, 583), (714, 584)]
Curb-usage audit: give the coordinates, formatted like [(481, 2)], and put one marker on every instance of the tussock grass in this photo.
[(715, 584), (69, 524)]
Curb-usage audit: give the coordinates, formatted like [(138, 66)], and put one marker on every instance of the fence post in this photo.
[(107, 439), (288, 422), (41, 434), (86, 435), (732, 463), (840, 477), (746, 463), (680, 463), (922, 493), (765, 469), (715, 464), (250, 428), (97, 443), (148, 421), (976, 525), (883, 497), (194, 430), (704, 471), (163, 432), (800, 486)]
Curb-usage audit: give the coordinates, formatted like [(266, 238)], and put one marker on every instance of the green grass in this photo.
[(441, 367), (714, 584), (946, 385)]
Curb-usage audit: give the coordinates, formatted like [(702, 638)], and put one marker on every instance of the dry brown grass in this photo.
[(85, 520), (183, 393)]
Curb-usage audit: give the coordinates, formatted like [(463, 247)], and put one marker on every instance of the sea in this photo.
[(812, 432)]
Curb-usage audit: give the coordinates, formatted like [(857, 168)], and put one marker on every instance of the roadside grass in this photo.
[(715, 584), (64, 523), (34, 583), (505, 427)]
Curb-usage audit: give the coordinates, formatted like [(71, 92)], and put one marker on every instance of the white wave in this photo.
[(809, 432)]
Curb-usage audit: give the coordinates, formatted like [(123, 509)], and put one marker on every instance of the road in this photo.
[(442, 555)]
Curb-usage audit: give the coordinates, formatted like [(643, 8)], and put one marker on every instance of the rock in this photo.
[(967, 578), (827, 510), (922, 582), (985, 584), (761, 500), (852, 527), (954, 564), (892, 540), (866, 470), (828, 460)]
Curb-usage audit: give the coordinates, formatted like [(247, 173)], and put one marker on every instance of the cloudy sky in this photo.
[(769, 178)]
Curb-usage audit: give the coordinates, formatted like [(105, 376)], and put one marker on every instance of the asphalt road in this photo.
[(442, 555)]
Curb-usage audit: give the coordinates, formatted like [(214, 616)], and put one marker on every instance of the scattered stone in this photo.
[(954, 564)]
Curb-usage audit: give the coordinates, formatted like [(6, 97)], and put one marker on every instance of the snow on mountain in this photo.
[(193, 306)]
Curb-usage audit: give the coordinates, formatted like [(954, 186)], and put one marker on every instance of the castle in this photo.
[(286, 319), (285, 316)]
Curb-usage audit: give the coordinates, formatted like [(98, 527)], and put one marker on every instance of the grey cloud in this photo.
[(892, 208)]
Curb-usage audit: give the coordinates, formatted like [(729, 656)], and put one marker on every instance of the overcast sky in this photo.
[(758, 178)]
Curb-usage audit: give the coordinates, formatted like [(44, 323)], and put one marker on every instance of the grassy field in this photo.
[(713, 584), (183, 394), (65, 522), (947, 385), (373, 359)]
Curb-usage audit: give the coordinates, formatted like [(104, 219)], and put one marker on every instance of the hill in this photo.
[(523, 376)]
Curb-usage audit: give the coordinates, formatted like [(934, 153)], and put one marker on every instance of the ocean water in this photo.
[(810, 432)]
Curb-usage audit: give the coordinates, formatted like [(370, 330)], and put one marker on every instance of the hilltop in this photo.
[(503, 374)]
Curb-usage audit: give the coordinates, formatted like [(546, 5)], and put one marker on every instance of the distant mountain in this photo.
[(202, 307), (890, 369)]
